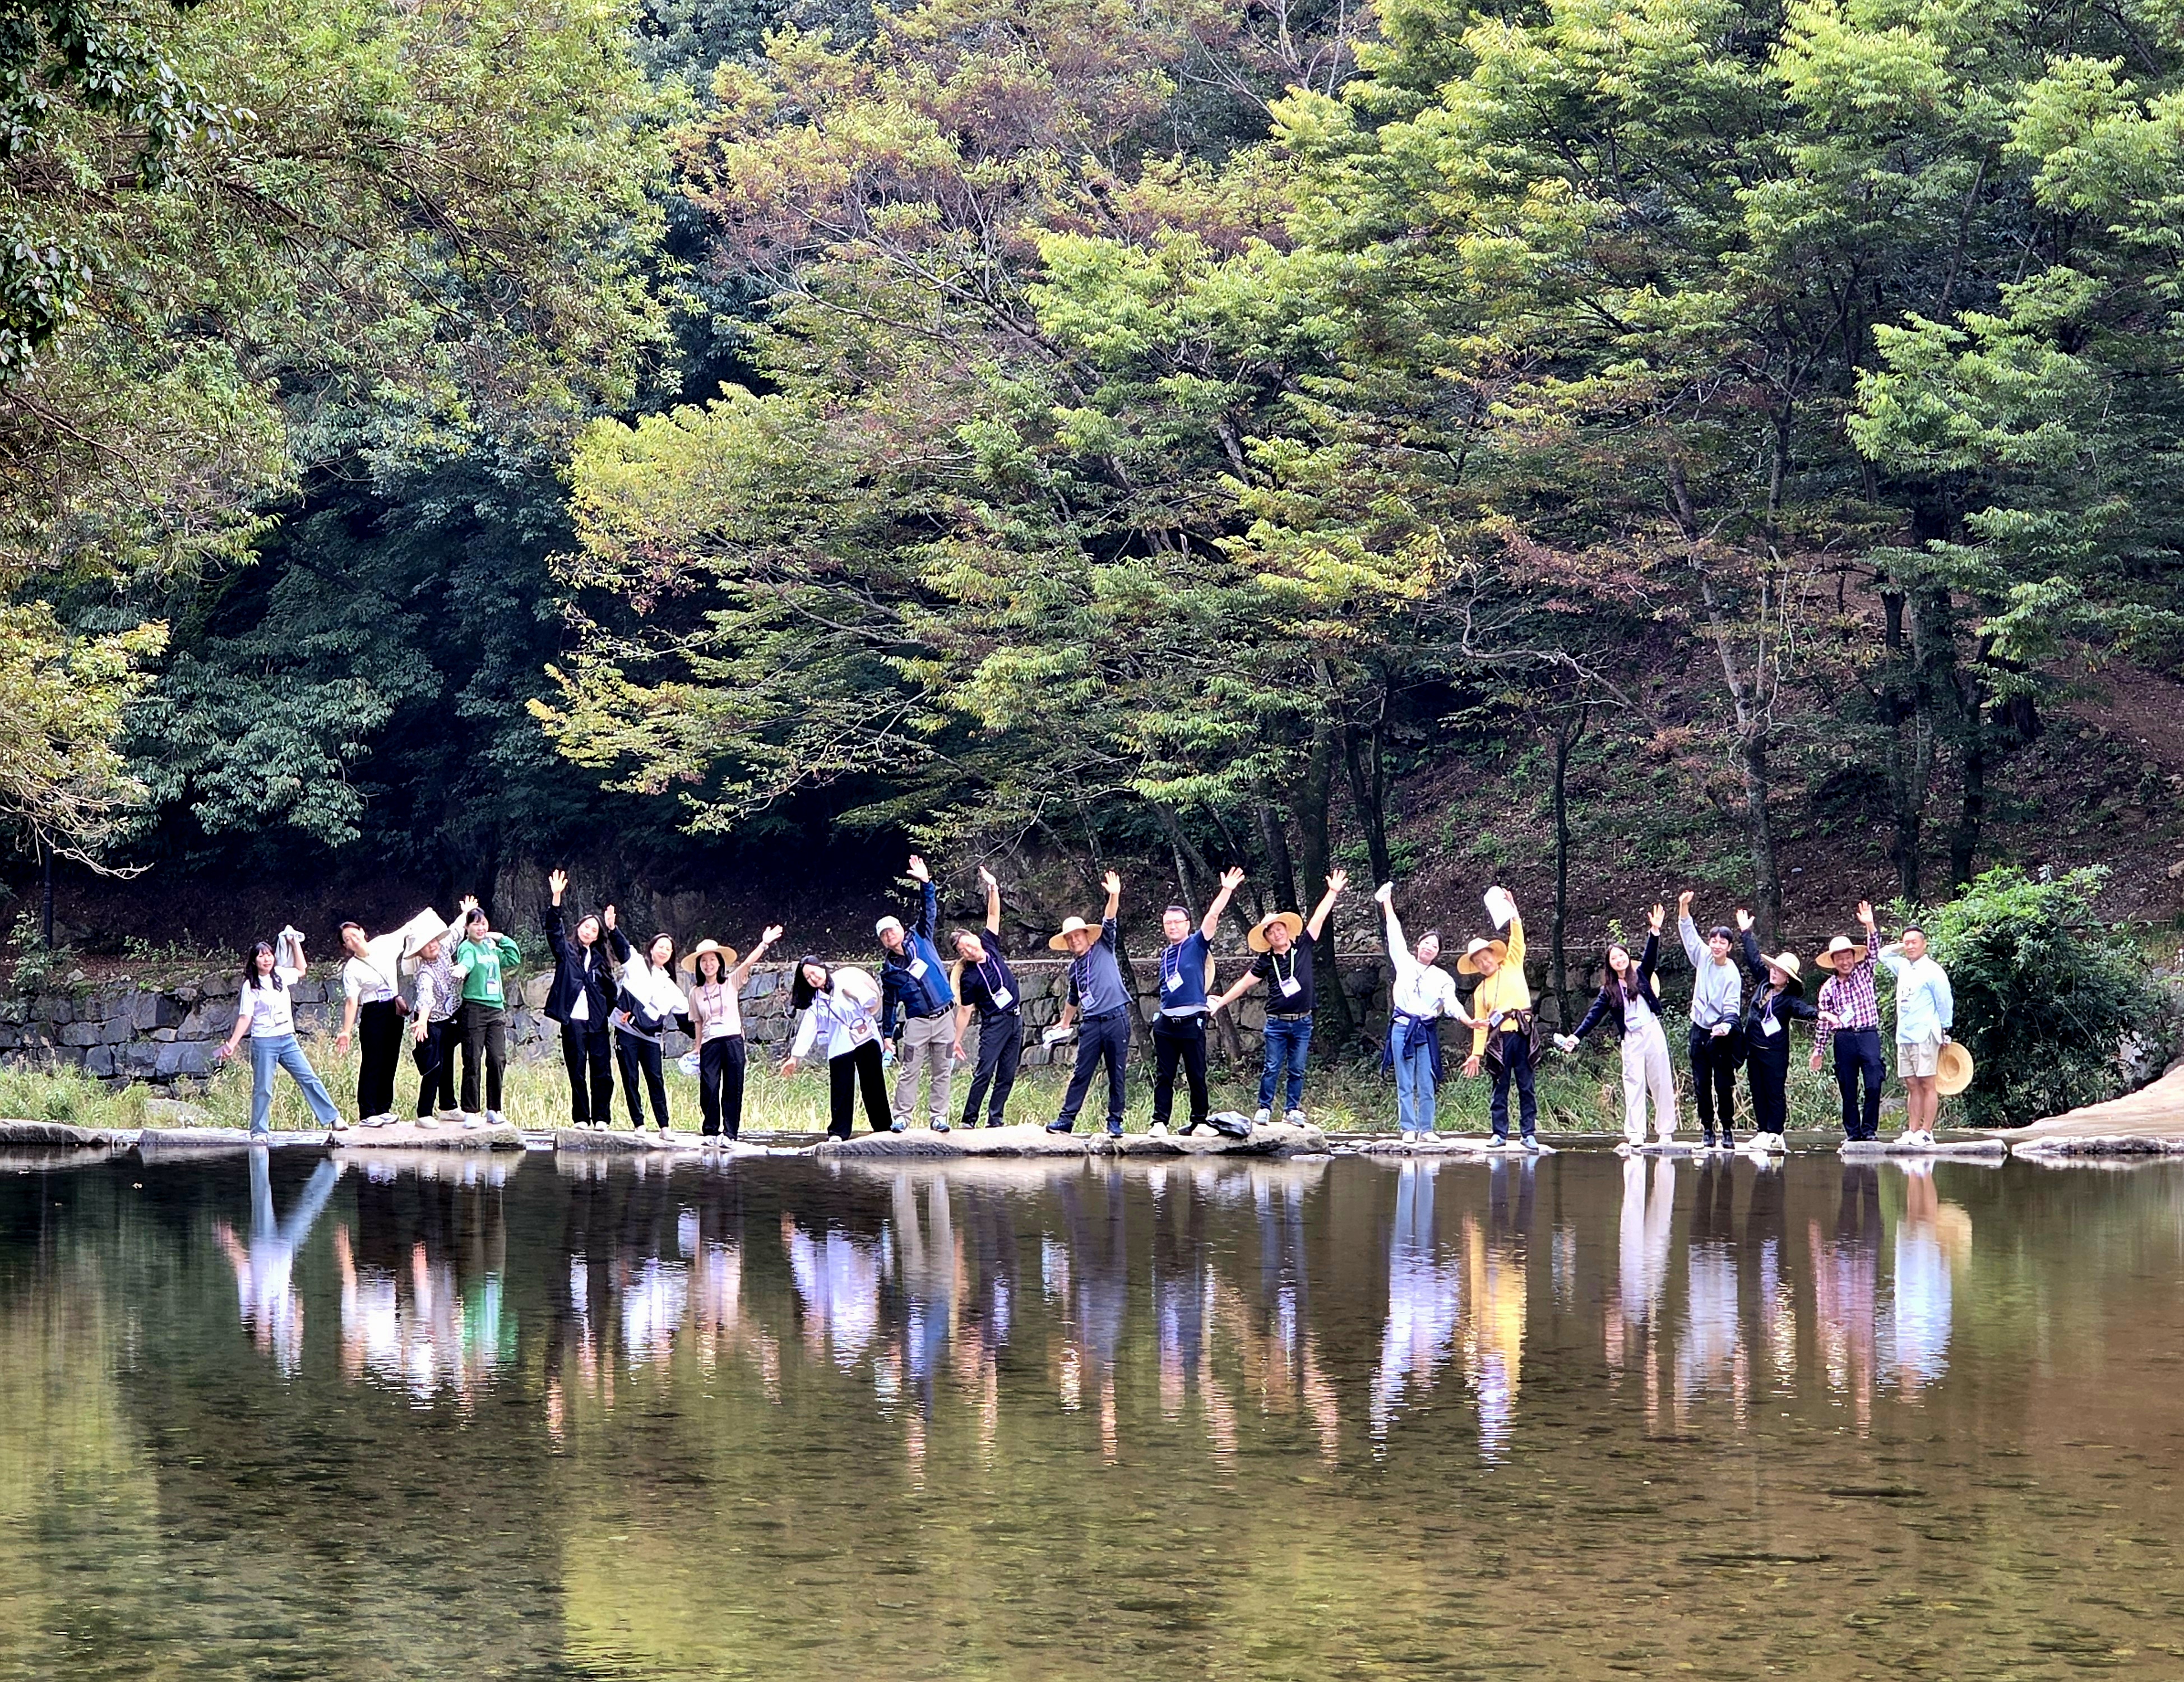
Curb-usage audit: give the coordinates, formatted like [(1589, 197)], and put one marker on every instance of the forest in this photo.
[(714, 444)]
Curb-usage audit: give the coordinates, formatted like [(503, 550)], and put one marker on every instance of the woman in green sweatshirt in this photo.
[(480, 963)]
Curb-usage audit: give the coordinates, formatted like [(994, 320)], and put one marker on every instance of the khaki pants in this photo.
[(924, 1045)]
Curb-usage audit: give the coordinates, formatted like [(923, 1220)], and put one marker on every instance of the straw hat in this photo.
[(1060, 942), (1468, 963), (1952, 1070), (727, 956), (1787, 961), (1842, 943), (1255, 937)]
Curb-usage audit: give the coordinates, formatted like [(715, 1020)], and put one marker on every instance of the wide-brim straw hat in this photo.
[(727, 956), (1952, 1070), (1255, 938), (1787, 963), (1468, 963), (1842, 943), (1060, 942)]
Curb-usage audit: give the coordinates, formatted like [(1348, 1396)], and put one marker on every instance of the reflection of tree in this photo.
[(265, 1269)]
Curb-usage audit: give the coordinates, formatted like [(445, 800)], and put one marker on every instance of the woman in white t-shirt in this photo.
[(717, 1019), (265, 1015)]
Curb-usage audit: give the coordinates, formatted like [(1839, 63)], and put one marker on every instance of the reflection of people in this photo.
[(272, 1308), (1642, 1237), (1707, 1354), (1425, 1297), (1920, 1314), (1846, 1267), (1494, 1351), (265, 1015)]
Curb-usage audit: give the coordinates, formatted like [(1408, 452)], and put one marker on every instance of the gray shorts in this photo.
[(1921, 1057)]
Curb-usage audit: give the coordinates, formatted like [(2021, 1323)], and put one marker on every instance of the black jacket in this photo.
[(1608, 1006), (577, 969), (1788, 1006)]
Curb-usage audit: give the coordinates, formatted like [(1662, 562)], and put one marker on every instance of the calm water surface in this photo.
[(1573, 1418)]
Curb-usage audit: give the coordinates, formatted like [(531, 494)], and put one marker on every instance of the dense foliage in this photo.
[(2045, 994)]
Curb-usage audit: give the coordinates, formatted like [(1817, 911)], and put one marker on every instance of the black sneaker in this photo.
[(1062, 1127), (1114, 1129)]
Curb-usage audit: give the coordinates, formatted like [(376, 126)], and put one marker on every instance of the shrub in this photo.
[(2045, 992)]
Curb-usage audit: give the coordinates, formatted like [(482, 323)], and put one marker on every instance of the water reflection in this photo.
[(272, 1308)]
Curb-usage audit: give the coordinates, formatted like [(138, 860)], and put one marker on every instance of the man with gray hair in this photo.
[(914, 983)]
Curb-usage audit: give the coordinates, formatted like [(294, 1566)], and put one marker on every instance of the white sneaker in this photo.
[(1295, 1118), (493, 1118), (1157, 1130), (446, 1115), (1496, 1141), (428, 1121), (1410, 1136), (1261, 1117), (473, 1121), (1531, 1141)]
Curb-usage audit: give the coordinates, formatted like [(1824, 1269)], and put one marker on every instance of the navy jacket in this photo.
[(578, 969), (1608, 1006), (903, 987)]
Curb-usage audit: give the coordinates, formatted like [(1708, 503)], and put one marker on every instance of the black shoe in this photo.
[(1062, 1127), (731, 1134), (1182, 1132)]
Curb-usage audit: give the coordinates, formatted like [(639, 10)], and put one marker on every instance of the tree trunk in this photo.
[(1316, 833), (1364, 762), (1971, 812), (1276, 840), (1908, 762), (1567, 731)]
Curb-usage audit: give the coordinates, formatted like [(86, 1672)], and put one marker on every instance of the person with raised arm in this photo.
[(482, 959), (913, 983), (583, 1000), (1631, 1000), (1101, 999), (1186, 970), (840, 1007), (433, 1023), (266, 1016), (984, 983), (1850, 1026), (1716, 1045), (1501, 1020), (1778, 999), (647, 1006), (372, 1011), (1925, 1011), (716, 1022), (1421, 994), (1285, 944)]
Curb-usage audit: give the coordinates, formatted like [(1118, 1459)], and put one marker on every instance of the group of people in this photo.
[(445, 987)]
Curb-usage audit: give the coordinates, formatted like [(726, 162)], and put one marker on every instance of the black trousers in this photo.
[(435, 1057), (638, 1056), (485, 1043), (1515, 1065), (1858, 1052), (845, 1074), (1099, 1040), (1000, 1054), (1714, 1077), (1768, 1070), (379, 1054), (721, 1085), (589, 1056), (1178, 1040)]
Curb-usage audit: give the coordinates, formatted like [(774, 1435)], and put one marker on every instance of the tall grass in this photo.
[(1576, 1095)]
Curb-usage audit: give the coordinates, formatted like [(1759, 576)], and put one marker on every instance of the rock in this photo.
[(620, 1142), (99, 1061), (192, 1057), (1969, 1149), (408, 1136), (53, 1133), (154, 1142), (1032, 1139), (78, 1034)]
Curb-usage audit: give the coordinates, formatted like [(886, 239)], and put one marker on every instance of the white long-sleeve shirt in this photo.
[(1419, 990), (842, 1018), (1717, 990)]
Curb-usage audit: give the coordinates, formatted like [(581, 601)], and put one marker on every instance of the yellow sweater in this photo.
[(1505, 989)]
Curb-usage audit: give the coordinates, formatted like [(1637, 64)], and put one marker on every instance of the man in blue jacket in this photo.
[(914, 985)]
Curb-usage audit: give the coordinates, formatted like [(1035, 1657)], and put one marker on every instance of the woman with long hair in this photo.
[(1631, 998), (582, 1000), (482, 960), (717, 1023), (648, 1005), (265, 1015), (840, 1008)]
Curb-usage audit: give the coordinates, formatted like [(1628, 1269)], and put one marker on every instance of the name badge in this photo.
[(1770, 1026), (1002, 998), (917, 967), (1170, 983), (1291, 987)]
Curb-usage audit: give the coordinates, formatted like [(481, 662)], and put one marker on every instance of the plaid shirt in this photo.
[(1848, 1001)]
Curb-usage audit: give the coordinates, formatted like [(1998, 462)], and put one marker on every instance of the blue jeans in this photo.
[(283, 1052), (1287, 1044), (1414, 1083)]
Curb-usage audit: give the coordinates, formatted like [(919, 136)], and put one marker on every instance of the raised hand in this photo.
[(1743, 921), (1386, 892), (771, 934), (1337, 881), (917, 870), (607, 917), (987, 878), (1112, 883), (1865, 912), (557, 883), (470, 903), (1231, 878), (1683, 902), (1653, 917)]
